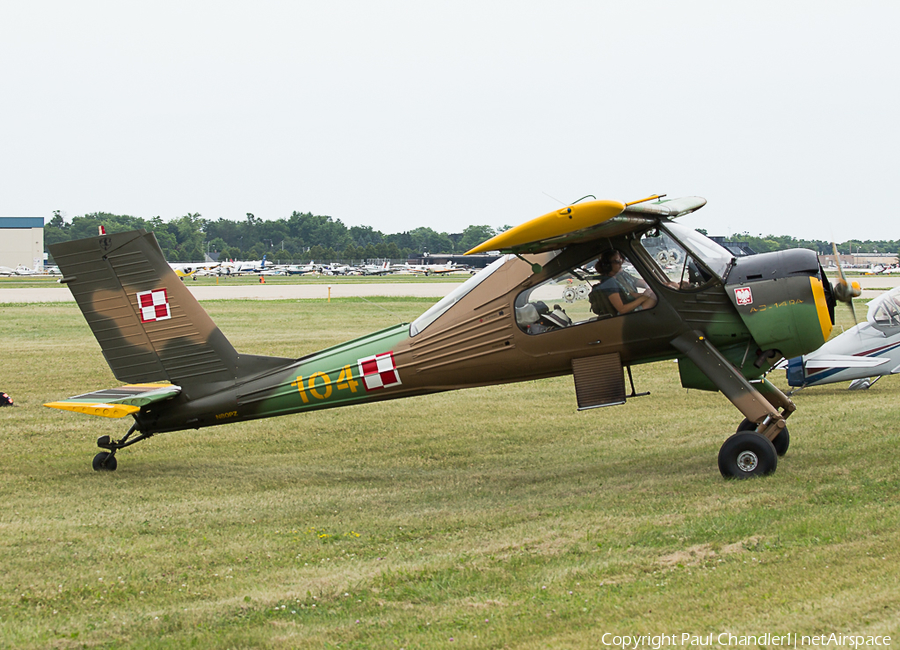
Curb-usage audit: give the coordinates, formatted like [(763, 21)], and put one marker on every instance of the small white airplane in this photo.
[(186, 270), (430, 269), (337, 269), (21, 269), (375, 269), (303, 269), (238, 268), (870, 349)]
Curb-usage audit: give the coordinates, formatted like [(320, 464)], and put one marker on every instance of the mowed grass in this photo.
[(495, 517)]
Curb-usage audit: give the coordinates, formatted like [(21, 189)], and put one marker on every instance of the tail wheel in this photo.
[(747, 454), (104, 462)]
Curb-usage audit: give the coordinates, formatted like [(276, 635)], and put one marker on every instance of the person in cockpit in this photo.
[(622, 291)]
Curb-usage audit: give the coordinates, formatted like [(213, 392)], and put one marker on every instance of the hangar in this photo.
[(22, 242)]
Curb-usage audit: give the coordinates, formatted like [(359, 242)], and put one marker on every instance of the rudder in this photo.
[(146, 321)]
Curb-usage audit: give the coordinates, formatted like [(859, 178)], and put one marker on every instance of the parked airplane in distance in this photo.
[(186, 270)]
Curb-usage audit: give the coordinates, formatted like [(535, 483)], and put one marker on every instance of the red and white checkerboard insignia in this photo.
[(154, 305), (743, 296), (379, 371)]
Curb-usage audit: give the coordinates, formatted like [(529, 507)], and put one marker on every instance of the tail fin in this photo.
[(146, 321)]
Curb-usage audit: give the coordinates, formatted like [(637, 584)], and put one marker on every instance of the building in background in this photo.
[(22, 242), (736, 248)]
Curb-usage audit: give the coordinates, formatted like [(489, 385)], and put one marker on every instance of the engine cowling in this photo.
[(784, 299)]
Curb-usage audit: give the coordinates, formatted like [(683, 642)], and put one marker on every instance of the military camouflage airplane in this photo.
[(634, 285)]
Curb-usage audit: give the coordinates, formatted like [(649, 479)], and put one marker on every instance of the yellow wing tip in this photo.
[(478, 249)]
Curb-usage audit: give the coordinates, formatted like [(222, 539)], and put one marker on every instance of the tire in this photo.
[(782, 440), (747, 454), (104, 462)]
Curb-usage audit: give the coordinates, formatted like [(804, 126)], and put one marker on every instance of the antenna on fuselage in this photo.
[(399, 320), (554, 198)]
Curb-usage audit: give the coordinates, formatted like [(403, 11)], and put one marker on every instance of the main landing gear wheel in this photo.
[(747, 454), (782, 440), (104, 462)]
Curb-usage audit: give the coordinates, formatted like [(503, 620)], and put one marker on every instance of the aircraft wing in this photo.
[(117, 402), (586, 221), (844, 361)]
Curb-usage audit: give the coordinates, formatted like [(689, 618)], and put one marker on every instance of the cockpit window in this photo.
[(602, 287), (454, 296)]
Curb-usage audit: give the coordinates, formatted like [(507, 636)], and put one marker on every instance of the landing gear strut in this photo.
[(763, 436), (105, 461), (782, 441), (755, 448)]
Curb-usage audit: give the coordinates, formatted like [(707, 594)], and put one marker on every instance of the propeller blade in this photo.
[(837, 263), (843, 290)]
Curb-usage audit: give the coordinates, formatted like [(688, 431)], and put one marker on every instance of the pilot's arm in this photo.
[(614, 289), (645, 300)]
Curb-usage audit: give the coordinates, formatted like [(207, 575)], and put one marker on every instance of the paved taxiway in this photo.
[(872, 287), (260, 292)]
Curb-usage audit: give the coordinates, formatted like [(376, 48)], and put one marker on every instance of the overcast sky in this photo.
[(398, 114)]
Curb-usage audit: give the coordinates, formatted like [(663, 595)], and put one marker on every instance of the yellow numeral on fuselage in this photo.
[(345, 381)]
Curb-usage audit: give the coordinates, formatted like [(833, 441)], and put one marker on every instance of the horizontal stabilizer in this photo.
[(117, 402)]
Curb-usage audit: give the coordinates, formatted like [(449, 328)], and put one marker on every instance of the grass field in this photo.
[(490, 518)]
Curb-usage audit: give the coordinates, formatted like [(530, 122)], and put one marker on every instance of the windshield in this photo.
[(454, 296), (715, 257), (884, 311)]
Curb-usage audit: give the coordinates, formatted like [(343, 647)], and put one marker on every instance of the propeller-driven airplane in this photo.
[(376, 269), (726, 320), (21, 269), (869, 349), (190, 268), (303, 269), (429, 269)]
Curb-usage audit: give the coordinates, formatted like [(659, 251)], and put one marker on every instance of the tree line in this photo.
[(768, 243), (304, 236), (299, 238)]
